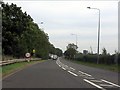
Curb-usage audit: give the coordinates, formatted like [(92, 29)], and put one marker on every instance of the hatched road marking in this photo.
[(72, 68), (94, 84), (73, 73), (95, 80), (85, 73), (110, 83), (87, 77)]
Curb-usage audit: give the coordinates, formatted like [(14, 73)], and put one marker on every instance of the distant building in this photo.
[(85, 51), (72, 45)]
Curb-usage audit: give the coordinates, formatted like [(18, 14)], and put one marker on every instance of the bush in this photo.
[(86, 58), (103, 59)]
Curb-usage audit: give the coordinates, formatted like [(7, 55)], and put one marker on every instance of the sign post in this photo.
[(34, 52), (27, 55)]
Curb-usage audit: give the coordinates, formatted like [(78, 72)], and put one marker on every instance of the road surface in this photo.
[(61, 74)]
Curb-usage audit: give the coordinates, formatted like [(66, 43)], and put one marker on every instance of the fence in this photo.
[(2, 63)]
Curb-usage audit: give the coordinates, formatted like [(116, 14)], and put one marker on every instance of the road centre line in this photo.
[(94, 84), (63, 68), (110, 83), (85, 73), (72, 68), (73, 73), (59, 65)]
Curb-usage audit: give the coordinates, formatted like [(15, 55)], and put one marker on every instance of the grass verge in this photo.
[(113, 67), (8, 69)]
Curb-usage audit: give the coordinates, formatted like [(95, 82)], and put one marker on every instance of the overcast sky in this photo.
[(63, 18)]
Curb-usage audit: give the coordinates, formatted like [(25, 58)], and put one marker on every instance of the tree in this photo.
[(58, 52), (70, 52), (21, 34), (104, 51)]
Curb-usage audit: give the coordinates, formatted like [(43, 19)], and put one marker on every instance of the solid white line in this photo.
[(63, 68), (72, 68), (72, 73), (110, 83), (85, 73), (94, 84)]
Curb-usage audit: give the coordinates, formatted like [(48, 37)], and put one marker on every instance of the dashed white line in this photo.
[(85, 73), (94, 84), (73, 73), (110, 83), (59, 65), (72, 68), (63, 68)]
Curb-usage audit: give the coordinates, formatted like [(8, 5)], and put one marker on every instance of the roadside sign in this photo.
[(27, 55), (33, 50)]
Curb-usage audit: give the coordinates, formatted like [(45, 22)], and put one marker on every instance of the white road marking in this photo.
[(66, 66), (94, 84), (82, 75), (110, 83), (72, 73), (63, 68), (106, 85), (59, 65), (72, 68), (85, 73), (89, 77), (95, 80)]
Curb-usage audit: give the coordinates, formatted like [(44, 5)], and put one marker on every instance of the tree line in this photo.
[(21, 35), (104, 58)]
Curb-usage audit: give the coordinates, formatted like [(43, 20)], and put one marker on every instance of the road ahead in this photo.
[(61, 74)]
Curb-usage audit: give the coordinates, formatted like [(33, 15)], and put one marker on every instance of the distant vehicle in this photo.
[(55, 57), (52, 56)]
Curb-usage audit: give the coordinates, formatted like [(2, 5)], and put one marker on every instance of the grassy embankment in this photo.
[(8, 69), (112, 67)]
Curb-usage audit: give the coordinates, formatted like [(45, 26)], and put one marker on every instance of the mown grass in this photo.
[(16, 66), (112, 67)]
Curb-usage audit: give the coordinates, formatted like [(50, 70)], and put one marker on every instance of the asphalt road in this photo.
[(61, 74)]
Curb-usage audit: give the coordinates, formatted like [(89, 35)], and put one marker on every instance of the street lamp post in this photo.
[(98, 33), (76, 39)]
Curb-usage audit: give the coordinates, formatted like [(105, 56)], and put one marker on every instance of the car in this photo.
[(54, 57)]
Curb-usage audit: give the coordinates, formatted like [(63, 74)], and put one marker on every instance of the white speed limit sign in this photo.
[(27, 55)]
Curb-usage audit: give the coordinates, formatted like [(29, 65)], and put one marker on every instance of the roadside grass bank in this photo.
[(112, 67), (11, 68)]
